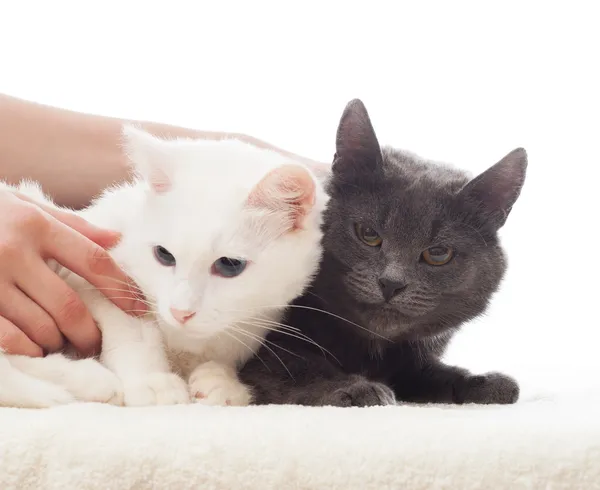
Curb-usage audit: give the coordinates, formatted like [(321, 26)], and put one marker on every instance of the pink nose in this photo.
[(182, 316)]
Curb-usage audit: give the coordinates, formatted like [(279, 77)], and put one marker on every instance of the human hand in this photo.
[(36, 306)]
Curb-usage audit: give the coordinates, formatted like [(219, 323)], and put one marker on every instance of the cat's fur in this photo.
[(373, 350), (201, 200)]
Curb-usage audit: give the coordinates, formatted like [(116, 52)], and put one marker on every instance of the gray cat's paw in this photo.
[(360, 392), (490, 388)]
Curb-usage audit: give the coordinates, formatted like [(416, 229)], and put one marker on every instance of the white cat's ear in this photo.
[(289, 191), (147, 157)]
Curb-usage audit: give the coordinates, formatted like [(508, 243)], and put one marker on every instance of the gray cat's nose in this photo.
[(391, 287)]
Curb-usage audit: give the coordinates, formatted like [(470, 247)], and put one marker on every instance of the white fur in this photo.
[(193, 198)]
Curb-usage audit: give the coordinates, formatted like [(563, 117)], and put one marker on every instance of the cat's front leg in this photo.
[(133, 349), (435, 382), (304, 377), (356, 391), (213, 383)]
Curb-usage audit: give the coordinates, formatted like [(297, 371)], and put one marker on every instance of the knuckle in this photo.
[(9, 339), (10, 249), (31, 218), (49, 335), (72, 310), (99, 261)]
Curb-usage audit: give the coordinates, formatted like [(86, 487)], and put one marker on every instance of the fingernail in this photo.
[(107, 239), (114, 238)]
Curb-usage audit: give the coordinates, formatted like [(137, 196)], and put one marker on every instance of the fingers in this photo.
[(35, 323), (104, 238), (90, 261), (14, 341), (64, 305)]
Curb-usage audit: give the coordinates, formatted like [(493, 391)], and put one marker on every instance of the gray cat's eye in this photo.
[(367, 235), (164, 257), (438, 255)]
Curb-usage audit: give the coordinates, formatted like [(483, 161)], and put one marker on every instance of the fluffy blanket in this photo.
[(545, 444)]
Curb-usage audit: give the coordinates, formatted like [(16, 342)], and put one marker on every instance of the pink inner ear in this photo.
[(289, 189), (159, 181)]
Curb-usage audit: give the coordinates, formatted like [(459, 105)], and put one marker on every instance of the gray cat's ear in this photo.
[(146, 156), (496, 190), (356, 140)]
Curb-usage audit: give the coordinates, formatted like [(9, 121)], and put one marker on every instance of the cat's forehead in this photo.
[(410, 200), (408, 170), (211, 230)]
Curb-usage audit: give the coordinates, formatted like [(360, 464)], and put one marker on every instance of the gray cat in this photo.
[(411, 253)]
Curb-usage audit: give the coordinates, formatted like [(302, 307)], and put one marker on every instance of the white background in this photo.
[(455, 81)]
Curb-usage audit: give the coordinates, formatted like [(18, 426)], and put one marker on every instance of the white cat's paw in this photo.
[(210, 389), (90, 381), (155, 389)]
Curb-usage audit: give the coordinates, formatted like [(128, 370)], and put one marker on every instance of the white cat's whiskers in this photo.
[(261, 341), (131, 286), (331, 314), (272, 207), (292, 332), (229, 334)]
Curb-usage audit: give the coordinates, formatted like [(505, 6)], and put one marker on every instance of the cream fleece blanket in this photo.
[(541, 444)]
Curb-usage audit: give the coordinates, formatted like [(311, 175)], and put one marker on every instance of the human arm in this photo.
[(73, 155)]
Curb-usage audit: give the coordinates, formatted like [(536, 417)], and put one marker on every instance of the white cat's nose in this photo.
[(182, 316)]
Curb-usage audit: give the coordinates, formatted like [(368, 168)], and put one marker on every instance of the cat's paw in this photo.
[(212, 389), (155, 389), (360, 392), (89, 381), (490, 388), (45, 395)]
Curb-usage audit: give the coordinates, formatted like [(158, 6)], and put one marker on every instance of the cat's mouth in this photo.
[(409, 309)]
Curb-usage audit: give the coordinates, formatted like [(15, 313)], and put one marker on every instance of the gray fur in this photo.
[(369, 340)]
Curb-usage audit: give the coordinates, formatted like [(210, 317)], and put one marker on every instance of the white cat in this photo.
[(219, 236)]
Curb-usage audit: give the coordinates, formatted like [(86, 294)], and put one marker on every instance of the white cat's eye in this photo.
[(164, 257), (228, 267), (438, 255)]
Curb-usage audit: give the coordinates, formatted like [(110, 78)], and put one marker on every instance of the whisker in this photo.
[(266, 346), (262, 339), (91, 288), (331, 314), (297, 335), (283, 325), (229, 334)]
